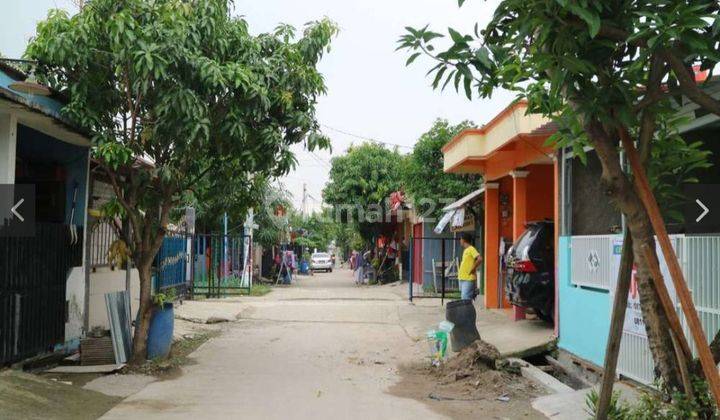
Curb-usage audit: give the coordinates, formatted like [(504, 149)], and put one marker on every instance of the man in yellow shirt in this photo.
[(471, 259)]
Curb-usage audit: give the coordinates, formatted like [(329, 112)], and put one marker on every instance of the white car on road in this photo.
[(321, 261)]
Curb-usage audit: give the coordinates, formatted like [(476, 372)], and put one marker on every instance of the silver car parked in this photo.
[(321, 261)]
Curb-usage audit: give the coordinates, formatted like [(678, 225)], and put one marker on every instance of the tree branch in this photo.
[(648, 119), (688, 86)]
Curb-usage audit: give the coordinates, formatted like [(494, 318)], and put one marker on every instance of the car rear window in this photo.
[(527, 237), (321, 255)]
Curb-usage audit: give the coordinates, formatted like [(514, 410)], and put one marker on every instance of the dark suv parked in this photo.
[(531, 270)]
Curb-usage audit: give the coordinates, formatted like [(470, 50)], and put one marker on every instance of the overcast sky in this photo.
[(370, 91)]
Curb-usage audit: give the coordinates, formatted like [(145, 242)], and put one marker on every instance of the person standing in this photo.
[(289, 266), (471, 259)]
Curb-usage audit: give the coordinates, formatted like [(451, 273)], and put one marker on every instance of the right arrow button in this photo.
[(704, 209)]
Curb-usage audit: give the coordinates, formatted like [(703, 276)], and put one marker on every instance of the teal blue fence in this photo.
[(171, 264)]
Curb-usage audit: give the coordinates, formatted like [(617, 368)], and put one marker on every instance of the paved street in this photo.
[(323, 348)]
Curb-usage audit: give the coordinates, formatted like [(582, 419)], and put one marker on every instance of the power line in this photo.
[(328, 165), (311, 196), (347, 133)]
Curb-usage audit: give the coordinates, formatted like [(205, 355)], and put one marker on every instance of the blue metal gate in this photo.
[(171, 264)]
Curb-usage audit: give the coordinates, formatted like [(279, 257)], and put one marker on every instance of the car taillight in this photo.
[(524, 266)]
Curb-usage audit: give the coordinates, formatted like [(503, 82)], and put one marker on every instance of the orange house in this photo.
[(520, 178)]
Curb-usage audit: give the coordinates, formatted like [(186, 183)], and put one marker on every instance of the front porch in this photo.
[(520, 175), (42, 284)]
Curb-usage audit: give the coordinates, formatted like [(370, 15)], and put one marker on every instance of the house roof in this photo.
[(513, 138), (46, 106)]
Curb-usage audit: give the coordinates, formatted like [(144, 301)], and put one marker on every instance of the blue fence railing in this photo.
[(170, 263)]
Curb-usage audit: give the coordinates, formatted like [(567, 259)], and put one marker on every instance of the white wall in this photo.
[(75, 296), (8, 141), (104, 281)]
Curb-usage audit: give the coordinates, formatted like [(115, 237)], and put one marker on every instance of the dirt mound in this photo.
[(477, 356), (476, 369), (476, 373)]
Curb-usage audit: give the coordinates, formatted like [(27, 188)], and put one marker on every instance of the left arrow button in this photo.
[(14, 210)]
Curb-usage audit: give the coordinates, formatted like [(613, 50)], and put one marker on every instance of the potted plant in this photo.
[(162, 325)]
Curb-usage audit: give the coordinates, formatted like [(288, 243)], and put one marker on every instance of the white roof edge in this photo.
[(461, 202)]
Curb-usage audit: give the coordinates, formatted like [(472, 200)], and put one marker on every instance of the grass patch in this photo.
[(168, 368), (229, 286), (258, 290)]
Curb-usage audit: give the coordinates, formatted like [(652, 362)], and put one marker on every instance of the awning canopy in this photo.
[(461, 202), (455, 212)]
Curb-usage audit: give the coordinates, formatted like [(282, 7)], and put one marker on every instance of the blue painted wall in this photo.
[(584, 313), (43, 148)]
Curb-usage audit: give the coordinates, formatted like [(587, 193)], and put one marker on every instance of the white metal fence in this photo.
[(699, 258)]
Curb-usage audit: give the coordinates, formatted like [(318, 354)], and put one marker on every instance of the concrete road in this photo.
[(322, 348)]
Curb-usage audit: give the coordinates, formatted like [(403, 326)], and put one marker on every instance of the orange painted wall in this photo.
[(490, 254), (520, 206), (499, 221), (506, 190), (541, 192), (540, 205)]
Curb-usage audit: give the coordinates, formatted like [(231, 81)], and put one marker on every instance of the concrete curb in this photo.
[(532, 372)]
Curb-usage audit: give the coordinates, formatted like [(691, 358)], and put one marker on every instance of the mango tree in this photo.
[(175, 92), (597, 68), (424, 180)]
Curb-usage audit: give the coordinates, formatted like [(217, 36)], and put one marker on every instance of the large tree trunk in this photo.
[(147, 244), (139, 351), (619, 188)]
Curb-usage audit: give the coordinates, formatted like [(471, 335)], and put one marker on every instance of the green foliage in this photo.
[(360, 185), (576, 62), (423, 177), (318, 230), (259, 290), (652, 406), (161, 298), (616, 411), (181, 97), (236, 196), (355, 241), (674, 163), (270, 227), (186, 86)]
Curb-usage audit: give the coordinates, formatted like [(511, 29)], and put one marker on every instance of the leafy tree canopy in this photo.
[(270, 226), (429, 187), (318, 230), (183, 84), (360, 184)]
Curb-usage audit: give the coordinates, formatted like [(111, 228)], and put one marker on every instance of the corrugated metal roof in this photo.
[(49, 106)]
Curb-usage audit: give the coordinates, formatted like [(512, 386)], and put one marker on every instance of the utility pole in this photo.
[(304, 200)]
